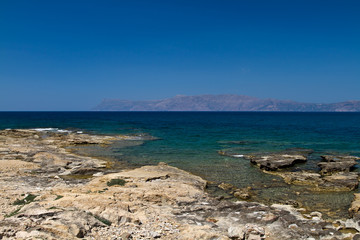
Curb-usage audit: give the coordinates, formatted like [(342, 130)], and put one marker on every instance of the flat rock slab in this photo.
[(15, 165), (343, 181), (275, 161), (335, 163)]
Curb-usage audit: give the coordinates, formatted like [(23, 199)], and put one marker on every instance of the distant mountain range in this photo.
[(224, 103)]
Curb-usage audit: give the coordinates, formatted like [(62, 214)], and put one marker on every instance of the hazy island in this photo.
[(224, 103)]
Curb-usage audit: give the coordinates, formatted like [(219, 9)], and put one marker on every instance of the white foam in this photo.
[(63, 131), (51, 130), (45, 129), (238, 156)]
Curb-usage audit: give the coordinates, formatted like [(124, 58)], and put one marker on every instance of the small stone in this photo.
[(22, 234), (293, 226), (242, 195), (226, 186), (98, 174), (356, 236), (316, 214), (253, 237), (125, 236), (236, 232), (155, 234), (270, 217)]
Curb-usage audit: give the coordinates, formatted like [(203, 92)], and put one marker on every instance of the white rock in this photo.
[(98, 174), (253, 237), (236, 232)]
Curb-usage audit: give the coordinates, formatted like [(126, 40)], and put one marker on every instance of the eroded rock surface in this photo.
[(151, 202), (282, 159), (335, 170), (337, 163), (343, 181), (276, 161)]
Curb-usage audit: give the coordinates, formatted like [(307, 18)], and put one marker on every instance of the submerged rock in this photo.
[(239, 193), (335, 174), (347, 181)]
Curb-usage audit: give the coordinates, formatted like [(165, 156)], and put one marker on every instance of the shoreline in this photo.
[(150, 202)]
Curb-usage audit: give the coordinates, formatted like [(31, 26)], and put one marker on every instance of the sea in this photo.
[(192, 141)]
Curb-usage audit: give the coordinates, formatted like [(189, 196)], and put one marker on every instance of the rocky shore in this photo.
[(48, 192)]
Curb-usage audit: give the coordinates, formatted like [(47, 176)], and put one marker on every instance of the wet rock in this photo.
[(333, 163), (240, 193), (342, 181), (226, 186), (301, 178), (275, 161)]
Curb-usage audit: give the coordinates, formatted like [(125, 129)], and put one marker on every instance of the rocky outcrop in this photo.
[(275, 161), (335, 174), (337, 163), (336, 182), (151, 202)]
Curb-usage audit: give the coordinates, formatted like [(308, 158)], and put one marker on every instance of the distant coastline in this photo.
[(225, 102)]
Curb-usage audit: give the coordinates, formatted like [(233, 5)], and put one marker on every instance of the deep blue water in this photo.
[(190, 140)]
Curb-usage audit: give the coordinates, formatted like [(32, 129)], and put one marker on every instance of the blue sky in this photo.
[(69, 55)]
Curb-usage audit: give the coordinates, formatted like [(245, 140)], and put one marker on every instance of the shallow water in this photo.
[(191, 140)]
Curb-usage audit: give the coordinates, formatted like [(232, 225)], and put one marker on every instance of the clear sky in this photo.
[(69, 55)]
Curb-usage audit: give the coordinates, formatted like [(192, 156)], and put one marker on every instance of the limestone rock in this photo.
[(332, 163), (342, 181), (355, 206), (154, 202), (275, 161), (236, 232)]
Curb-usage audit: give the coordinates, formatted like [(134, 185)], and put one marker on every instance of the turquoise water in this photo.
[(190, 140)]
